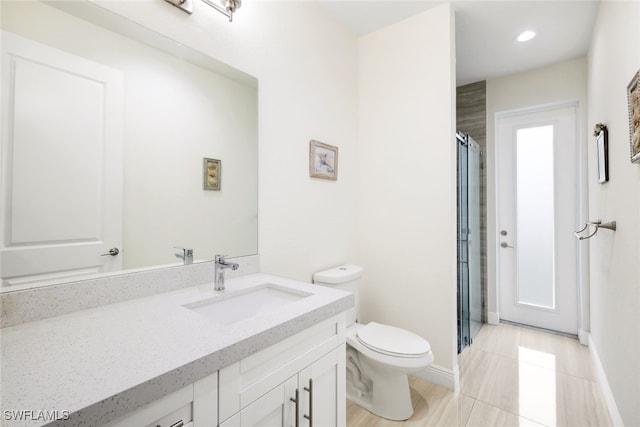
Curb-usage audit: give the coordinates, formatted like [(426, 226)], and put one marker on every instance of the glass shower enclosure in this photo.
[(469, 294)]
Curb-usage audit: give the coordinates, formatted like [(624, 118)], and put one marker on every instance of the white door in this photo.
[(61, 167), (537, 205)]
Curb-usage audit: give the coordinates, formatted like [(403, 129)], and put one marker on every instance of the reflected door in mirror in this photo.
[(62, 167)]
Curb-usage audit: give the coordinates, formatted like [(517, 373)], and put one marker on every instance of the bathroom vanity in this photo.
[(266, 349)]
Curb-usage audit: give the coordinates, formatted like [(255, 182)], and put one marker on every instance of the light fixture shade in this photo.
[(231, 5), (526, 36), (227, 9)]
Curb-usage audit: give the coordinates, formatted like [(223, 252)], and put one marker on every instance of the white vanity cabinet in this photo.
[(300, 381), (312, 397), (303, 375)]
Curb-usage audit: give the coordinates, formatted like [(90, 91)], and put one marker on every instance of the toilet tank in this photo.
[(345, 277)]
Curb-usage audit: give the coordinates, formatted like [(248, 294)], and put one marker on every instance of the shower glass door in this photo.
[(469, 288), (464, 333), (473, 237)]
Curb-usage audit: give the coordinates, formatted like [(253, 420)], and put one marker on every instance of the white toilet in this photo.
[(379, 357)]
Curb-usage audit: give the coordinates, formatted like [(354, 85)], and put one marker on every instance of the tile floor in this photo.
[(510, 376)]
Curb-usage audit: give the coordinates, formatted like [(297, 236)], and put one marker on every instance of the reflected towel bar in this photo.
[(597, 224)]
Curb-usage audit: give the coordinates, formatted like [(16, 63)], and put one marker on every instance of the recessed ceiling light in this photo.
[(526, 36)]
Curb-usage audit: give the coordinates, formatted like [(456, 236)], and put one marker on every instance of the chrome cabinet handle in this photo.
[(297, 409), (112, 252), (310, 390), (178, 424)]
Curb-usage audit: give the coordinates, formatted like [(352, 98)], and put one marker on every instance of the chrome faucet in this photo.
[(186, 255), (221, 265)]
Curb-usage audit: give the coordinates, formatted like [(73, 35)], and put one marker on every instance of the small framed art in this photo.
[(633, 95), (602, 147), (323, 161), (211, 174)]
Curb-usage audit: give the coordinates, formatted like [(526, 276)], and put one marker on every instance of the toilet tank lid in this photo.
[(336, 275)]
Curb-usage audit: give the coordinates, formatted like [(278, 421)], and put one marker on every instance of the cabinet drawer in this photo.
[(175, 406), (250, 378), (181, 417)]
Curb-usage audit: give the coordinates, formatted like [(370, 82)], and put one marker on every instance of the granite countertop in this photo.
[(98, 364)]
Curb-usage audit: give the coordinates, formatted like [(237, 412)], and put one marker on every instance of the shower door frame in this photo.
[(464, 262)]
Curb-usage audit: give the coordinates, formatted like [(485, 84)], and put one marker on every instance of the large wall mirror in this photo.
[(105, 128)]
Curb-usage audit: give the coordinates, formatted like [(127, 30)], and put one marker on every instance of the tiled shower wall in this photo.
[(471, 113)]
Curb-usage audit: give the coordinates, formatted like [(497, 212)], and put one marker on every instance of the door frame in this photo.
[(581, 214)]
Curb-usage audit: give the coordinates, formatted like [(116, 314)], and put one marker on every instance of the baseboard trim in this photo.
[(616, 418), (493, 318), (583, 337), (438, 375)]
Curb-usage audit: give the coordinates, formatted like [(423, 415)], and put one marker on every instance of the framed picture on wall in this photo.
[(211, 174), (323, 161), (602, 147), (633, 95)]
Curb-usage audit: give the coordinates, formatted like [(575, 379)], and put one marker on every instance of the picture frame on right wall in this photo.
[(633, 95), (602, 148)]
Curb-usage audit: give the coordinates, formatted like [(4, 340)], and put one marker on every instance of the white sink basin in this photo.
[(236, 306)]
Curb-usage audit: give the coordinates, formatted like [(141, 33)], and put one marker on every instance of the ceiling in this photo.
[(486, 30)]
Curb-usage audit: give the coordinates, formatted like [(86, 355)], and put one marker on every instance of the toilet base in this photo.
[(390, 399), (382, 390)]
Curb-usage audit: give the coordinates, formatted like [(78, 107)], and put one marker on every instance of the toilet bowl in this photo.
[(379, 357), (386, 355)]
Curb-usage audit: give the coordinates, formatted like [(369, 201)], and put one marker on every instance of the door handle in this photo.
[(505, 245), (112, 252)]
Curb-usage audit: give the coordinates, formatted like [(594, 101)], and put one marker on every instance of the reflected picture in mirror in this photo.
[(212, 174), (116, 117)]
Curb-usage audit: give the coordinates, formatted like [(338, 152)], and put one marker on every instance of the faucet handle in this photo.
[(185, 251), (220, 259), (186, 255)]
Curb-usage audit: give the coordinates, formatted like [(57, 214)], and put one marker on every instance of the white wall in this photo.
[(566, 81), (615, 257), (407, 151), (305, 63)]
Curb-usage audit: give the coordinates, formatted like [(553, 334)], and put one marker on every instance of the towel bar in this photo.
[(597, 224)]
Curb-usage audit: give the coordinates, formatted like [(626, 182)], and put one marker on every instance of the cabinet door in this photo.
[(205, 401), (321, 390), (274, 409)]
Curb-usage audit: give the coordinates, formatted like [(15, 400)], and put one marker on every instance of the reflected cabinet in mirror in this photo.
[(105, 129)]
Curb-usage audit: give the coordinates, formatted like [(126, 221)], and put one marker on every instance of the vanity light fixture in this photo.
[(526, 36), (228, 7), (184, 5)]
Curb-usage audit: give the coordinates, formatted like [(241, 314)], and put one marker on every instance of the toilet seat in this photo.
[(392, 341)]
